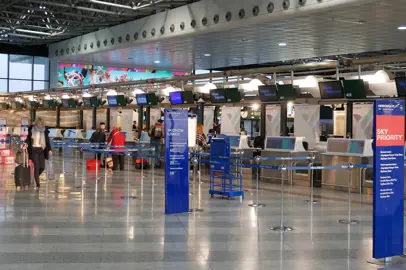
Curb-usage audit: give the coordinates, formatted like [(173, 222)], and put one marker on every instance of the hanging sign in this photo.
[(388, 187), (176, 161)]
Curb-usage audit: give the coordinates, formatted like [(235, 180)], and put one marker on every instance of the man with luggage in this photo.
[(99, 136)]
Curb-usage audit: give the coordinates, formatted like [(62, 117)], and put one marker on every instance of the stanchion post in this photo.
[(129, 196), (194, 209), (257, 204), (153, 163), (142, 162), (349, 221), (311, 159), (281, 227)]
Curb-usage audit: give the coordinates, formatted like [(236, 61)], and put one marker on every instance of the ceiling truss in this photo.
[(35, 22)]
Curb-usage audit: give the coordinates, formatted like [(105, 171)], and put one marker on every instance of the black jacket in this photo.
[(98, 137), (28, 141)]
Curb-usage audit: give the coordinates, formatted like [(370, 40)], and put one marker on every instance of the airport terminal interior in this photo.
[(202, 134)]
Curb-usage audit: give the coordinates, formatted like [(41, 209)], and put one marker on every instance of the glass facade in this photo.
[(23, 73)]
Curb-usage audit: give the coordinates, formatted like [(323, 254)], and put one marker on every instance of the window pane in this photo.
[(20, 67), (3, 66), (41, 68), (39, 85), (19, 85), (3, 85)]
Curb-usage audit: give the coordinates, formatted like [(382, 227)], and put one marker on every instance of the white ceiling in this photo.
[(342, 30)]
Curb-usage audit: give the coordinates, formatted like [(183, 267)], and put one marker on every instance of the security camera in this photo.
[(119, 111)]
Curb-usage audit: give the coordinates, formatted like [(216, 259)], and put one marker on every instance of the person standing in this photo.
[(99, 136), (117, 141), (156, 134), (201, 139), (38, 147), (216, 127)]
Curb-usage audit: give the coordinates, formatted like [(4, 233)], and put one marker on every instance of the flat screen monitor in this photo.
[(286, 92), (268, 93), (233, 95), (70, 133), (151, 99), (187, 97), (175, 98), (354, 89), (141, 99), (71, 103), (218, 96), (234, 141), (65, 103), (86, 102), (52, 132), (121, 100), (112, 100), (95, 102), (356, 147), (331, 90), (401, 86)]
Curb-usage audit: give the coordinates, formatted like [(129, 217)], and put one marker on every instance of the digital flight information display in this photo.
[(112, 100), (331, 90), (141, 99), (268, 93), (401, 86), (218, 96), (175, 98)]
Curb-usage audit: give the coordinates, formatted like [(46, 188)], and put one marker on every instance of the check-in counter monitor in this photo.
[(341, 152), (277, 147), (74, 134)]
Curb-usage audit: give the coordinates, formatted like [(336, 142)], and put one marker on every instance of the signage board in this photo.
[(176, 161), (388, 187)]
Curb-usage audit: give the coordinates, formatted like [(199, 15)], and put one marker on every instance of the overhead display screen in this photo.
[(233, 95), (94, 101), (401, 86), (141, 99), (175, 98), (112, 100), (331, 90), (187, 97), (121, 101), (234, 141), (65, 103), (286, 92), (151, 99), (354, 89), (86, 102), (268, 93), (218, 96)]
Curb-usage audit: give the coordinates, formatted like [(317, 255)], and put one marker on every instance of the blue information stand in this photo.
[(388, 189), (176, 161)]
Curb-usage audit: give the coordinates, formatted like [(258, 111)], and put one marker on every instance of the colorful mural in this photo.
[(71, 75)]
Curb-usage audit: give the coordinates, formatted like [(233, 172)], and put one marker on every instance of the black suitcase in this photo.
[(22, 173), (22, 176)]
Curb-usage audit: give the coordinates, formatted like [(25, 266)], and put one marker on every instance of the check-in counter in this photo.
[(283, 147), (341, 152)]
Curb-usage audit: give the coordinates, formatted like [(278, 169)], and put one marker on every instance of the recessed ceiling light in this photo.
[(157, 62), (207, 54), (282, 44), (402, 27)]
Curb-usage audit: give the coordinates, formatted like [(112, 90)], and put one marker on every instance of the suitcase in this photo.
[(22, 173), (93, 164), (141, 163)]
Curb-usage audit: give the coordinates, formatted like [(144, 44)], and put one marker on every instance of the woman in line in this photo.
[(201, 139), (38, 146), (117, 141)]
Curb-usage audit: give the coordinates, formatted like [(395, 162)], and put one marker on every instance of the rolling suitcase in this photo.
[(22, 173)]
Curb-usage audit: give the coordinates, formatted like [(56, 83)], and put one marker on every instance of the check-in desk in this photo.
[(282, 147), (341, 152)]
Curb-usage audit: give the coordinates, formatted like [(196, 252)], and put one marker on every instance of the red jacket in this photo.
[(117, 139)]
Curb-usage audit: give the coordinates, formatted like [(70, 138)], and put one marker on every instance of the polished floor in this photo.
[(81, 223)]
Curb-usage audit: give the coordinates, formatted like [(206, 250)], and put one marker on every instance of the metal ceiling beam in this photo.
[(82, 8), (133, 8)]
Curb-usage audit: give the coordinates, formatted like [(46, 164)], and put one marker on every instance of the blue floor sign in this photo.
[(176, 161), (388, 189)]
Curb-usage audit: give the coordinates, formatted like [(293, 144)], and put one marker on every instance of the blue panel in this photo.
[(176, 161), (388, 189)]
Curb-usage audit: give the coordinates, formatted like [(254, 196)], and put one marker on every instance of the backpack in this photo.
[(157, 132)]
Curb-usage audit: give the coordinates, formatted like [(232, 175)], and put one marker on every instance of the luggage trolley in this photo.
[(225, 177)]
